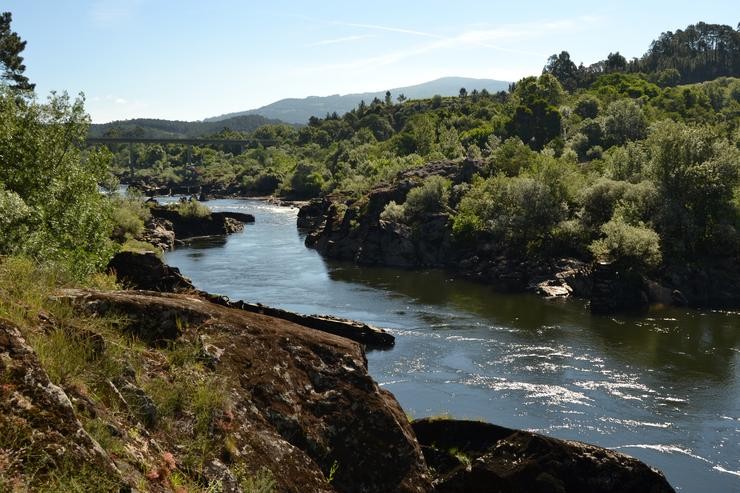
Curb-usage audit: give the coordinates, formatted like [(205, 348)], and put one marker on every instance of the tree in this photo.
[(696, 174), (51, 185), (563, 69), (11, 62), (388, 100), (624, 121), (401, 98), (463, 92), (615, 63)]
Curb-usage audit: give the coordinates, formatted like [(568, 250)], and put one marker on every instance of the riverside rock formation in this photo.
[(352, 230), (216, 223)]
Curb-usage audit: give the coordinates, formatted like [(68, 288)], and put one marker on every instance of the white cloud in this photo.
[(109, 107), (389, 29), (480, 37), (346, 39)]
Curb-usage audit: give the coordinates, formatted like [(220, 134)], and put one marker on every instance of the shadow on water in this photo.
[(688, 343)]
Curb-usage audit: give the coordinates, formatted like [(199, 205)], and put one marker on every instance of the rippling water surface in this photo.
[(664, 388)]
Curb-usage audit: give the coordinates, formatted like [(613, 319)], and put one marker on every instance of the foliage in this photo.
[(632, 246), (129, 215), (393, 212), (519, 211), (11, 62), (41, 164), (696, 173), (431, 197), (192, 208)]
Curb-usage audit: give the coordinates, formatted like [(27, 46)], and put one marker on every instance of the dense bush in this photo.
[(630, 246), (192, 208), (129, 215), (519, 211), (432, 196)]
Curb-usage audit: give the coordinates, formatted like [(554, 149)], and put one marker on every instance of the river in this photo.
[(664, 388)]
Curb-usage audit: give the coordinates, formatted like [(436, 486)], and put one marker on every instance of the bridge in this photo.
[(241, 143), (186, 141)]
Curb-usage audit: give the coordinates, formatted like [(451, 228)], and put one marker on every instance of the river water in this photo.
[(664, 388)]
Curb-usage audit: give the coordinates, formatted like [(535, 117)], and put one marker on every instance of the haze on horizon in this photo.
[(189, 60)]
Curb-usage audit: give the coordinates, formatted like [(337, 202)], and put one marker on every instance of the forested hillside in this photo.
[(632, 167)]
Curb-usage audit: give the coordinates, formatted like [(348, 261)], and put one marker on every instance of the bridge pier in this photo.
[(131, 161)]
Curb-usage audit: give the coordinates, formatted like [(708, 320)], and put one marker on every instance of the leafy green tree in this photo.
[(624, 121), (615, 63), (518, 211), (53, 183), (629, 246), (431, 197), (696, 173), (11, 62), (563, 68)]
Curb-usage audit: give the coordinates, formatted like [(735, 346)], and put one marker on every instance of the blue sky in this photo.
[(193, 59)]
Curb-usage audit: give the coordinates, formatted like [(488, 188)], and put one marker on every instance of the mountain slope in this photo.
[(299, 110)]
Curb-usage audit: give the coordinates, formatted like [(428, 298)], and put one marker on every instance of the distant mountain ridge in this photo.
[(173, 129), (299, 110)]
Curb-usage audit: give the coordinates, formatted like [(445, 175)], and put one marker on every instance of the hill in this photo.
[(154, 128), (299, 110)]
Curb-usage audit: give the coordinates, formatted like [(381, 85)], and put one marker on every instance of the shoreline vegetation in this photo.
[(111, 389)]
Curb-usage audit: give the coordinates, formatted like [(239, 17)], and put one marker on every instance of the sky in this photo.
[(188, 60)]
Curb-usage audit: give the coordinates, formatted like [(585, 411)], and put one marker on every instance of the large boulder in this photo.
[(145, 270), (472, 457), (159, 232)]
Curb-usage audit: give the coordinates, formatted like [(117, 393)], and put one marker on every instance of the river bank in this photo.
[(659, 387)]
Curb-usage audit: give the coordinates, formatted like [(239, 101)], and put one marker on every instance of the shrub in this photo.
[(624, 121), (631, 246), (600, 199), (14, 217), (129, 215), (192, 208), (520, 211), (306, 181), (511, 156), (587, 107), (431, 197), (41, 163), (393, 213)]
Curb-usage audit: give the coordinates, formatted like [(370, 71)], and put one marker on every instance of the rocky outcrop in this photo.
[(217, 223), (39, 431), (145, 270), (354, 231), (302, 402), (472, 457), (299, 404), (159, 232), (617, 290)]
